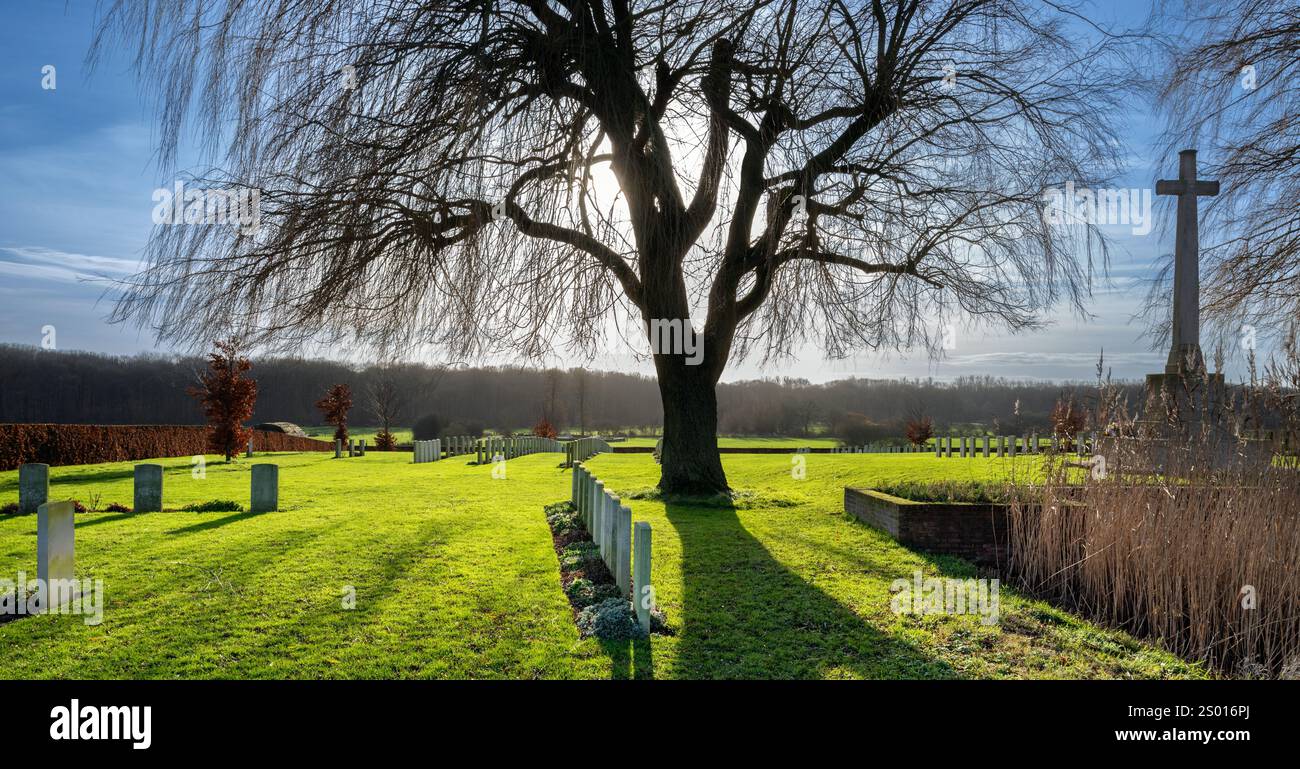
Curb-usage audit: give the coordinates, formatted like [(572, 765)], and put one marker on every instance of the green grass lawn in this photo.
[(748, 442), (326, 433), (455, 576)]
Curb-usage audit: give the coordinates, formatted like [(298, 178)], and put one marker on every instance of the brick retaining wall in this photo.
[(976, 532)]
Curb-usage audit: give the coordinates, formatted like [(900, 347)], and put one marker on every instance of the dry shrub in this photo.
[(1189, 535)]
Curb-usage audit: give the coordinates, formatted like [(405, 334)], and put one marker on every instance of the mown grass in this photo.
[(748, 442), (326, 433), (455, 576)]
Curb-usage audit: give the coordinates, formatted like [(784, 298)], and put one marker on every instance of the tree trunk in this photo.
[(690, 461)]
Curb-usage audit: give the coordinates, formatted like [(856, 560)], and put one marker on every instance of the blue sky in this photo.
[(78, 175)]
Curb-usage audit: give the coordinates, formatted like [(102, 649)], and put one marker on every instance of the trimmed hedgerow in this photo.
[(91, 444)]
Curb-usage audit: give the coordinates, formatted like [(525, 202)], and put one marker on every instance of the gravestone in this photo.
[(148, 488), (265, 495), (986, 447), (33, 486), (338, 448), (249, 452), (623, 550), (641, 575), (363, 447), (55, 552), (609, 524), (584, 494), (597, 508), (352, 447)]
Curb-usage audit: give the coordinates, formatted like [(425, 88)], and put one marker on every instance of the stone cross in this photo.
[(1186, 347)]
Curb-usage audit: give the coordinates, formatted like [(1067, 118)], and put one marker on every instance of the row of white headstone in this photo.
[(456, 445), (1004, 446), (427, 451), (583, 449), (610, 525), (56, 549), (147, 488), (355, 448), (879, 448), (509, 447)]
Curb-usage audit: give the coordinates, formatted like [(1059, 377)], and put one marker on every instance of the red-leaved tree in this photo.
[(335, 406), (544, 429), (227, 397), (920, 430)]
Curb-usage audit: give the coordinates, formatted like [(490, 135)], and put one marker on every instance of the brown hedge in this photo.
[(91, 444)]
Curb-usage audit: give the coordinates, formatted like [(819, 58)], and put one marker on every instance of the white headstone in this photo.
[(148, 488), (641, 591), (265, 494), (33, 486), (623, 550), (56, 552)]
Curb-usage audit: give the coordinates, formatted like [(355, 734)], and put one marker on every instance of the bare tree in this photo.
[(387, 402), (489, 175), (1233, 84), (580, 392), (550, 404)]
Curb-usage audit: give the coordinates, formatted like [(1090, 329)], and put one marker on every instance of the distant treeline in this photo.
[(88, 388)]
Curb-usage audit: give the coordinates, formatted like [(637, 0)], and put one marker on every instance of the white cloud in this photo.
[(40, 263)]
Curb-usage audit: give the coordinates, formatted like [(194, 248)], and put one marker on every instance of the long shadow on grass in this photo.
[(745, 615), (78, 478), (215, 523), (87, 522), (630, 659)]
